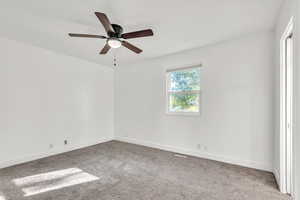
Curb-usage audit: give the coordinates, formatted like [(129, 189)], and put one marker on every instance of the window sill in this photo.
[(183, 114)]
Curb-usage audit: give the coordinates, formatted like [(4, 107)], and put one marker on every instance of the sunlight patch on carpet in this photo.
[(2, 197), (40, 183)]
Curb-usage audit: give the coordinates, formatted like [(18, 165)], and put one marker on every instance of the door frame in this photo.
[(284, 139)]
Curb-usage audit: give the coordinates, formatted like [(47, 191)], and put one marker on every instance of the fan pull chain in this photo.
[(115, 59)]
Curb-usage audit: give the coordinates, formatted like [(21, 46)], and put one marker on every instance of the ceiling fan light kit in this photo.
[(115, 35), (114, 43)]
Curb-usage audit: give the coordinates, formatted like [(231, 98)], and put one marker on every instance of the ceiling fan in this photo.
[(115, 35)]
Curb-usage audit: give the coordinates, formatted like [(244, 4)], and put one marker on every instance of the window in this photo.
[(183, 91)]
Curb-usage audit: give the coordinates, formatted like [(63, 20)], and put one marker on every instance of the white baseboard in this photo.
[(225, 159), (28, 158)]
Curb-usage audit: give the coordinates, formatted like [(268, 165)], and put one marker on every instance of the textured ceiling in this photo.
[(178, 25)]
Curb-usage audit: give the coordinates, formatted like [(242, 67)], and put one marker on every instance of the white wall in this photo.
[(286, 13), (46, 98), (236, 123)]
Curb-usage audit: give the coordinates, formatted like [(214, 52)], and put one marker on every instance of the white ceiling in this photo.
[(178, 25)]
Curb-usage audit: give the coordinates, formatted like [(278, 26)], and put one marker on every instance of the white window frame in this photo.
[(168, 112)]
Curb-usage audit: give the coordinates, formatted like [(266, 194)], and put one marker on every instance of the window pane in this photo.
[(185, 80), (184, 102)]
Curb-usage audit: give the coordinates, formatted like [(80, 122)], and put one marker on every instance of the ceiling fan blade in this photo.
[(136, 34), (131, 47), (105, 49), (105, 22), (87, 35)]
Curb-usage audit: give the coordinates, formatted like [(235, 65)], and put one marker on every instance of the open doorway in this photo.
[(286, 139)]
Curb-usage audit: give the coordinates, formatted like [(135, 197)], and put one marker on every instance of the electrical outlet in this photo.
[(199, 146), (66, 142), (50, 146)]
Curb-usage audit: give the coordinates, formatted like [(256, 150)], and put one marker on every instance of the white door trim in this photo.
[(283, 139)]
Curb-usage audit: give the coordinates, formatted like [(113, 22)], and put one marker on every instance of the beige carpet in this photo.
[(121, 171)]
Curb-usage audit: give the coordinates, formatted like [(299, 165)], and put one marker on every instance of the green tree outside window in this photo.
[(184, 90)]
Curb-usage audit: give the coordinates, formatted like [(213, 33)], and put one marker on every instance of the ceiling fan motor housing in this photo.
[(118, 31)]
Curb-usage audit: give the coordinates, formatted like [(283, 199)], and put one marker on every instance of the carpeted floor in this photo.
[(116, 170)]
